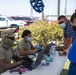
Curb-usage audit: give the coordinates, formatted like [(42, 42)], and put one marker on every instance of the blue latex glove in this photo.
[(38, 47)]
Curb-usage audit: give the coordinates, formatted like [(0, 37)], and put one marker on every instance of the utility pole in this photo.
[(43, 15), (31, 12), (58, 8), (65, 7)]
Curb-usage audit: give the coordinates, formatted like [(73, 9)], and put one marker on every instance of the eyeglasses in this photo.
[(12, 38)]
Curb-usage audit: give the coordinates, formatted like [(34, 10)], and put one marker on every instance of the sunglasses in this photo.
[(61, 22), (12, 38)]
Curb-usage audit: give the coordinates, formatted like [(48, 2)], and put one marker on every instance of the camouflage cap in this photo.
[(8, 33)]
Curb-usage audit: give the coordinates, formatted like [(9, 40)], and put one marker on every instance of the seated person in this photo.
[(6, 51), (25, 47)]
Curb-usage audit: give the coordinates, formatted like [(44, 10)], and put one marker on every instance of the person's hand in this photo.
[(35, 50), (61, 53), (19, 62), (27, 64), (66, 51)]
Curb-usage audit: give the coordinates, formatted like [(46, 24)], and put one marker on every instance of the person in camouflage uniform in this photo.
[(6, 51)]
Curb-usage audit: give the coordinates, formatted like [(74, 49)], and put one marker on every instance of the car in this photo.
[(6, 21), (28, 20), (36, 18)]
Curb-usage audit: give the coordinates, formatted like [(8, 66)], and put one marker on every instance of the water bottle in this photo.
[(49, 58), (53, 48)]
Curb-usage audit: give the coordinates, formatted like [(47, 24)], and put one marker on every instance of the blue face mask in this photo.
[(29, 39), (63, 25)]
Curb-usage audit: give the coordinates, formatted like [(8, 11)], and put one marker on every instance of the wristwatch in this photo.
[(18, 63)]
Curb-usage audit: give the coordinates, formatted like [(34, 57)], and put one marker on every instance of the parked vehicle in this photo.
[(6, 22), (28, 20)]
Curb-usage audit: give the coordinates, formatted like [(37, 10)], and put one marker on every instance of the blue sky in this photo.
[(22, 7)]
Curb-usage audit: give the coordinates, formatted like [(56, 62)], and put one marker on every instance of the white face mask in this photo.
[(29, 39), (63, 25)]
